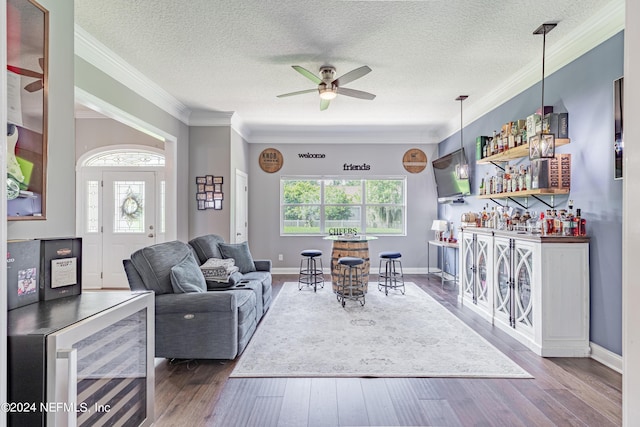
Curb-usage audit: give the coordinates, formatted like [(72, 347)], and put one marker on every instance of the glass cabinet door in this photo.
[(481, 288), (467, 275), (523, 277), (502, 294)]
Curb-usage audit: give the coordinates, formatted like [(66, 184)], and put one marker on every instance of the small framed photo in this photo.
[(209, 204), (217, 188), (218, 196), (201, 180), (201, 196), (217, 204), (201, 205), (208, 188), (200, 188), (209, 180), (217, 180), (209, 195)]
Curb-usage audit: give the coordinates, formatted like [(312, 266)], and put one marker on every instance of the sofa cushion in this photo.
[(187, 277), (240, 253), (206, 247), (154, 263)]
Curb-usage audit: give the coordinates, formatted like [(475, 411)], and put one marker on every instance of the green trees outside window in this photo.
[(314, 206)]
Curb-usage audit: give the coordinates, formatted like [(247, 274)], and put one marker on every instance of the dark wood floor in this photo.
[(564, 392)]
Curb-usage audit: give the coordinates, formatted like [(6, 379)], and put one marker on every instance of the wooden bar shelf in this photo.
[(526, 193), (516, 153)]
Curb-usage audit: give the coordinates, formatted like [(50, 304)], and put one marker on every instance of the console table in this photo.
[(446, 246)]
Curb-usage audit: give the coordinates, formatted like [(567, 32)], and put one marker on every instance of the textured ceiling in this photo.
[(236, 55)]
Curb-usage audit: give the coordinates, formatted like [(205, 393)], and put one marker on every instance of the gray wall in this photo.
[(102, 86), (584, 88), (96, 133), (264, 199), (60, 202), (210, 154)]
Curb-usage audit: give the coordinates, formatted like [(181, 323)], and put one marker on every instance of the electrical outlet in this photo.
[(280, 257)]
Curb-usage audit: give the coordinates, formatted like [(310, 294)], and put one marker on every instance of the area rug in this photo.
[(307, 334)]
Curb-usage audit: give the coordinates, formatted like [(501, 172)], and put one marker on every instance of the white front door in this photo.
[(129, 221), (242, 200)]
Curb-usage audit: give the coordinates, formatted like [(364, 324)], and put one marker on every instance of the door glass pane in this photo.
[(482, 271), (129, 206), (162, 205), (502, 293), (93, 207), (468, 272), (523, 286)]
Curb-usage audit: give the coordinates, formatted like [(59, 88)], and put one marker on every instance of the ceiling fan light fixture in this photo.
[(328, 94)]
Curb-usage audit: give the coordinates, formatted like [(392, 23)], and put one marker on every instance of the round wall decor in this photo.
[(270, 160), (414, 160)]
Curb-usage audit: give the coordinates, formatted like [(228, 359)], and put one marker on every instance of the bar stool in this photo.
[(310, 274), (393, 278), (350, 285)]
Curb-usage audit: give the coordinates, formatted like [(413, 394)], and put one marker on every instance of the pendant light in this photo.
[(542, 145), (462, 169)]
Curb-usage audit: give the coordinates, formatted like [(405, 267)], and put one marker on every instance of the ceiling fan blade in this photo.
[(41, 62), (324, 104), (355, 93), (308, 74), (300, 92), (352, 75), (24, 72), (35, 86)]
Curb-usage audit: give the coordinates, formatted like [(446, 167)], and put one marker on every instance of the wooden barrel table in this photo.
[(357, 247)]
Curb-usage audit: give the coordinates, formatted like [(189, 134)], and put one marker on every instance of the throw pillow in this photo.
[(187, 277), (240, 253)]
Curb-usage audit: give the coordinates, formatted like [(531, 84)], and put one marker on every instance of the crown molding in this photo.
[(591, 33), (91, 50), (356, 134), (210, 118)]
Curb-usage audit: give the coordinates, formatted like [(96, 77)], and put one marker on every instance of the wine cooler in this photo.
[(84, 360)]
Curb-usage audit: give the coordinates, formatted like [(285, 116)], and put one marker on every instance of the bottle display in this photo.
[(551, 222)]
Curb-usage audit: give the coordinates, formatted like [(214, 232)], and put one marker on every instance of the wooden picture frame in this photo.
[(27, 109)]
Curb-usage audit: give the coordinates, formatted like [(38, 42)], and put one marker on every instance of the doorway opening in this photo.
[(122, 207)]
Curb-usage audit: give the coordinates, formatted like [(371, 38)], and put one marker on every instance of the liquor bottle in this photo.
[(541, 225), (582, 224), (481, 192)]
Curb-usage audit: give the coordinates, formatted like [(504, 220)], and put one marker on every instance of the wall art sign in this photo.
[(270, 160), (352, 167), (414, 160), (311, 155), (209, 193)]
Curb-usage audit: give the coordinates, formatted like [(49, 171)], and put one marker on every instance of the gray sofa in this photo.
[(195, 319)]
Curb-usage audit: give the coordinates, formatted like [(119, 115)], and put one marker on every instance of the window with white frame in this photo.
[(339, 205)]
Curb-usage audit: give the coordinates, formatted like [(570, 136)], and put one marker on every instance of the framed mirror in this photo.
[(27, 84)]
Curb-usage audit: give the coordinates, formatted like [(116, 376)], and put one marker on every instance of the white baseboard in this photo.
[(606, 357)]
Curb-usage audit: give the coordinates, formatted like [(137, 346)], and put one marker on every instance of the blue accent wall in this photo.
[(584, 89)]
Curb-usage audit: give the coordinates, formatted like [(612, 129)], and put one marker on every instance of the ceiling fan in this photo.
[(33, 86), (329, 86)]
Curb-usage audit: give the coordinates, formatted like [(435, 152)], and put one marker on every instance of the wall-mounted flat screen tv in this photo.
[(448, 185)]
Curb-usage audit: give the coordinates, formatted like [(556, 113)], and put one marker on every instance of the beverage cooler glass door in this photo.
[(99, 370)]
